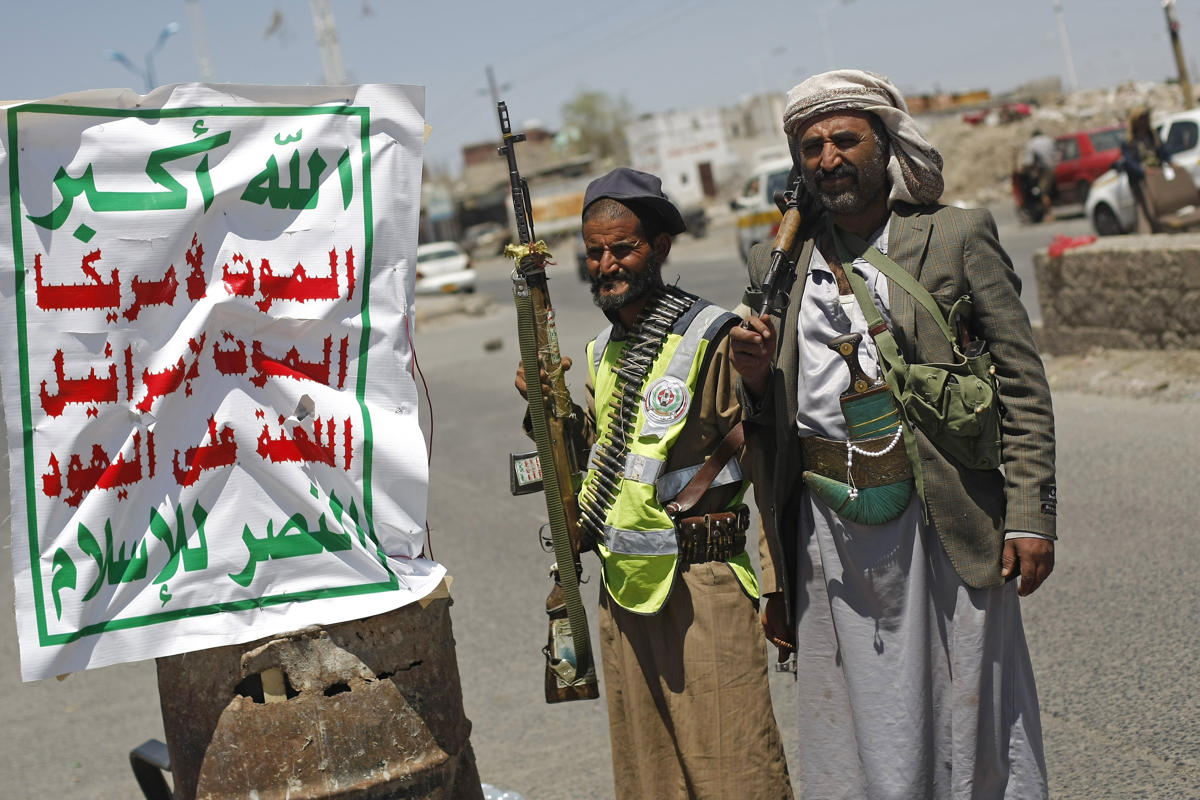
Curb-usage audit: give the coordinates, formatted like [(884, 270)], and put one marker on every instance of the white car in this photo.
[(443, 267), (757, 215), (1109, 203)]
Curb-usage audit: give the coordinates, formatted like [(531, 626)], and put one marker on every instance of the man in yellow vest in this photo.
[(684, 665)]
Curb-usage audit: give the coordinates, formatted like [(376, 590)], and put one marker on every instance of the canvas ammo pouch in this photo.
[(956, 405)]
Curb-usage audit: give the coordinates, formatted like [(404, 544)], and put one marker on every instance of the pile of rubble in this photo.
[(980, 158)]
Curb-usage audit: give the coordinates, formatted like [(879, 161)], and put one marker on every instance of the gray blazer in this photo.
[(952, 252)]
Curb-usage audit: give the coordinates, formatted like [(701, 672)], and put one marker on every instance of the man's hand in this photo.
[(520, 381), (750, 352), (774, 622), (1034, 556)]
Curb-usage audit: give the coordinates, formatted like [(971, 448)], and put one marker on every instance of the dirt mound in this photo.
[(980, 158)]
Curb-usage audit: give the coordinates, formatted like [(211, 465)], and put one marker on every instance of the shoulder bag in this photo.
[(956, 405)]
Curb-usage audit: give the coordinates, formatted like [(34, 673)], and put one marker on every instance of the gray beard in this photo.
[(869, 181), (637, 285)]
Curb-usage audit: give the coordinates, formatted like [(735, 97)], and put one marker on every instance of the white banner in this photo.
[(212, 421)]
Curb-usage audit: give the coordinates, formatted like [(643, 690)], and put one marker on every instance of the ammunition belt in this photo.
[(645, 342), (876, 462), (712, 537)]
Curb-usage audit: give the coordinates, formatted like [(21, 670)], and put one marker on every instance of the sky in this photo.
[(659, 55)]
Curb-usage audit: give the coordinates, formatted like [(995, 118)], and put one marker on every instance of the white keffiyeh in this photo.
[(914, 167)]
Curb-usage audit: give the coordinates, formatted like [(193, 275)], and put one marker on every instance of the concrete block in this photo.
[(1137, 291)]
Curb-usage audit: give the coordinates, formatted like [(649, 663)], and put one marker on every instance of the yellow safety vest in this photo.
[(639, 551)]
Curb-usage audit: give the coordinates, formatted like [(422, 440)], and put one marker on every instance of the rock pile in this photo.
[(980, 158)]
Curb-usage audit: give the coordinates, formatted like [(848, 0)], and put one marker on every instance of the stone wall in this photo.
[(1121, 292)]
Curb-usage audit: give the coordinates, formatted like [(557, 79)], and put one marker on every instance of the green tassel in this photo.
[(873, 506)]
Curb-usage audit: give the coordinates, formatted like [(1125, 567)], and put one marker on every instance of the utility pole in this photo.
[(1185, 84), (494, 90), (327, 40), (199, 40), (1072, 80), (823, 21)]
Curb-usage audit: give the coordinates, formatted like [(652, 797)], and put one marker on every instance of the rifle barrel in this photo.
[(517, 185)]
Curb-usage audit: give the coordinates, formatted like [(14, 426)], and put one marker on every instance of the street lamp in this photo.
[(823, 21), (495, 89), (147, 73), (1072, 81)]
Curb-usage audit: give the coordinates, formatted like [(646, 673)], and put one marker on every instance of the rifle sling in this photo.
[(568, 577), (698, 485)]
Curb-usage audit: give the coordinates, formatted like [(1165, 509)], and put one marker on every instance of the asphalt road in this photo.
[(1112, 633)]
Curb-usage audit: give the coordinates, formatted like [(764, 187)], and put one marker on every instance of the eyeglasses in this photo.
[(620, 251)]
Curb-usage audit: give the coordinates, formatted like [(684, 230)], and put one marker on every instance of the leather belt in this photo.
[(877, 468), (712, 537)]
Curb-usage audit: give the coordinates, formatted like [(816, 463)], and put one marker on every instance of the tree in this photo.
[(596, 124)]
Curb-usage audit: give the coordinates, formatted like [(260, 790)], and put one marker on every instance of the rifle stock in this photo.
[(570, 671), (782, 270)]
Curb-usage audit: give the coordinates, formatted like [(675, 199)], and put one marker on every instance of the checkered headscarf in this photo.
[(914, 167)]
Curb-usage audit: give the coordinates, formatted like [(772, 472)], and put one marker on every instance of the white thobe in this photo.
[(912, 684)]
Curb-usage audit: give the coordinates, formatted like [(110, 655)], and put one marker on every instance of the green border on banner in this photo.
[(47, 639)]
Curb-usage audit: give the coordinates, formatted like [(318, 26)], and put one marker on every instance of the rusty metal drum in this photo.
[(365, 709)]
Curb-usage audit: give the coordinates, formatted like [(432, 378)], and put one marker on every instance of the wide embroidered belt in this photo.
[(878, 461)]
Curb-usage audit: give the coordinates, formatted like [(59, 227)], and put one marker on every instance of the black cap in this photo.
[(641, 192)]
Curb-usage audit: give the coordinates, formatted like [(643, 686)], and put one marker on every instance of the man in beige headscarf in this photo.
[(914, 676)]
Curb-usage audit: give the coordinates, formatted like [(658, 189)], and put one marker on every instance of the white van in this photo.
[(757, 215)]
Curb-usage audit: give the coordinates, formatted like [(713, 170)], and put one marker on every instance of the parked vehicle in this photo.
[(757, 215), (1009, 112), (1083, 157), (696, 219), (1110, 204), (443, 267), (486, 237)]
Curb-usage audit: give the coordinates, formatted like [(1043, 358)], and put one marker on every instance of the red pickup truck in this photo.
[(1083, 157)]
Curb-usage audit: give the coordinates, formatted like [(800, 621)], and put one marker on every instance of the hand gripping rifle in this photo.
[(782, 271), (570, 671)]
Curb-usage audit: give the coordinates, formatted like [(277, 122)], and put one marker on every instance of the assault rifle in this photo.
[(782, 270), (570, 670)]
